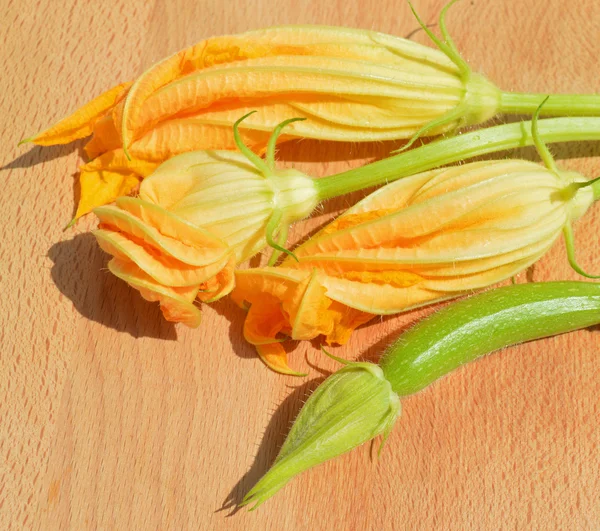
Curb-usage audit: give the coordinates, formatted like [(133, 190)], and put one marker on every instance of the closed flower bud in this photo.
[(425, 238), (361, 400), (196, 216), (349, 408), (350, 85)]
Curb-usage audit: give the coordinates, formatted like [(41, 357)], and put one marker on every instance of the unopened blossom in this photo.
[(195, 218), (349, 85)]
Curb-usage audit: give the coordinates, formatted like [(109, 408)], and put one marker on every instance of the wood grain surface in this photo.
[(112, 418)]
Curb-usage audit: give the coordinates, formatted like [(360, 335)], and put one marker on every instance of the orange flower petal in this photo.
[(251, 284), (420, 220), (381, 299), (220, 285), (80, 124), (290, 46), (192, 133), (163, 269), (116, 160), (345, 321), (282, 300), (105, 137), (265, 320), (175, 303), (307, 310), (121, 220), (275, 357), (99, 187), (273, 76), (170, 224), (441, 252), (109, 176)]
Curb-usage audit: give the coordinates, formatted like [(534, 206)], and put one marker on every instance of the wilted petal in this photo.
[(306, 309), (292, 302), (219, 285), (265, 321)]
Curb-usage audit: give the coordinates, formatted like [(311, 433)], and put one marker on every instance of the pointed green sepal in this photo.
[(351, 407), (336, 358)]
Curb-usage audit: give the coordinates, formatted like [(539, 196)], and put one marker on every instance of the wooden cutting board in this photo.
[(111, 418)]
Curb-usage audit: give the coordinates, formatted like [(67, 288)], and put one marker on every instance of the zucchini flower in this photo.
[(362, 400), (196, 217), (201, 213), (422, 239), (349, 85)]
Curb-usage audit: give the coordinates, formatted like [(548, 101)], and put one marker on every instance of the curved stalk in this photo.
[(557, 104), (457, 148)]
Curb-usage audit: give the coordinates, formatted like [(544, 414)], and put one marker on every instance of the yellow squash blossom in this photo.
[(201, 213), (425, 238), (349, 85), (195, 218)]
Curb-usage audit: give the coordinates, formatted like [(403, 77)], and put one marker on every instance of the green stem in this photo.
[(446, 151), (596, 189), (557, 104)]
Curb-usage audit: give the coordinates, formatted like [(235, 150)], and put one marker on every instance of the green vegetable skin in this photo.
[(331, 424), (484, 323)]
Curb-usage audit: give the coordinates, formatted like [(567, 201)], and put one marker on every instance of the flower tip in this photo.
[(275, 357), (70, 224), (299, 374), (26, 140), (288, 371), (266, 488), (126, 152)]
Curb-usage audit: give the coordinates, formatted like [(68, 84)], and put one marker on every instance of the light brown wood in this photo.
[(111, 418)]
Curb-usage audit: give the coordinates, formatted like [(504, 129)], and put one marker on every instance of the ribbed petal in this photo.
[(162, 268), (105, 138), (420, 240), (275, 357), (175, 303), (273, 77), (515, 196), (286, 44), (81, 123), (202, 250)]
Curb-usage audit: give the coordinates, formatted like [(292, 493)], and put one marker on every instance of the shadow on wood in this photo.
[(39, 154), (80, 273), (272, 441)]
